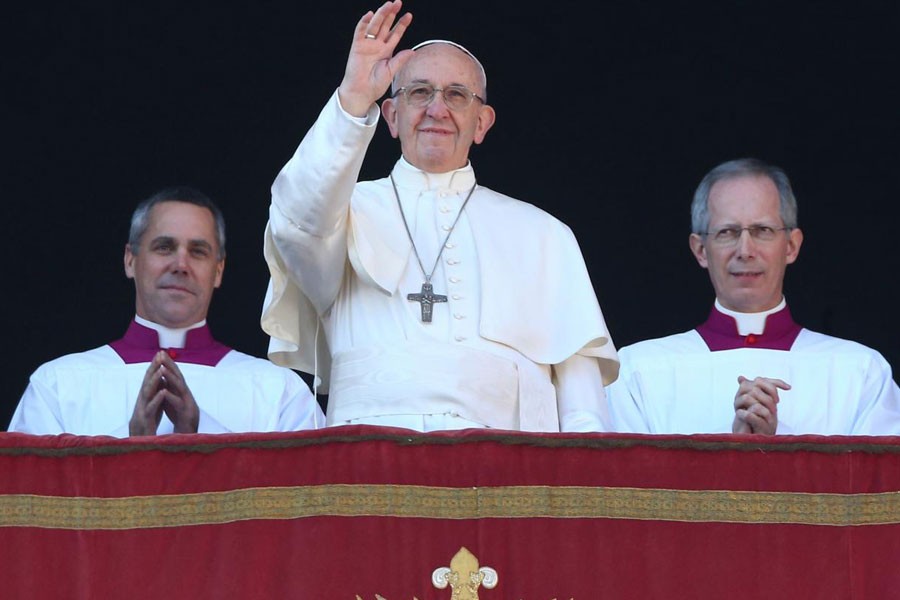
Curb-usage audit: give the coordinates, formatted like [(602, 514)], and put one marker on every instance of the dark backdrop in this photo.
[(608, 116)]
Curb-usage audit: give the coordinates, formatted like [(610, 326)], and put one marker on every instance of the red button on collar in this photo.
[(750, 340), (172, 352)]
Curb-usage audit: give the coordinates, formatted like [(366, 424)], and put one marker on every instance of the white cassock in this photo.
[(519, 344), (686, 383), (94, 392)]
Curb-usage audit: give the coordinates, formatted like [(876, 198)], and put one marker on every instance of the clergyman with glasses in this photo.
[(750, 368), (425, 300)]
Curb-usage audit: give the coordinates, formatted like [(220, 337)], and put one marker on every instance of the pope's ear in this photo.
[(698, 249), (487, 116), (389, 112)]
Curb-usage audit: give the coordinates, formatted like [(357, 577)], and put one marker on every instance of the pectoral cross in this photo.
[(426, 298)]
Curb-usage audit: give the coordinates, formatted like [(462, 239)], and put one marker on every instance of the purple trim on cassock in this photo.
[(140, 344), (720, 332)]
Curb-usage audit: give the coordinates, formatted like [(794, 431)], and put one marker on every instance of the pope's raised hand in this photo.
[(371, 65)]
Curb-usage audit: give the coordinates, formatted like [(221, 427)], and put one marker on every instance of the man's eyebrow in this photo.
[(200, 243), (429, 82), (736, 225), (167, 239)]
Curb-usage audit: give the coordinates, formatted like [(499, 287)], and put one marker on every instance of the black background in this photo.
[(608, 116)]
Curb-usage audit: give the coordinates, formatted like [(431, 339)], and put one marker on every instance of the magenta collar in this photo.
[(141, 343), (720, 332)]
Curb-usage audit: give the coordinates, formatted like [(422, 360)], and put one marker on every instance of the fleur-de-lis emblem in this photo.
[(464, 576)]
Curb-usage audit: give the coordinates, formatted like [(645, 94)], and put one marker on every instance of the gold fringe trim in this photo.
[(411, 501), (209, 444)]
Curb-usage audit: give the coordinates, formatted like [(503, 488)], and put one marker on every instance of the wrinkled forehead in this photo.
[(436, 49)]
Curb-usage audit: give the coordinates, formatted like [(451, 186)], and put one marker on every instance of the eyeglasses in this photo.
[(730, 235), (456, 97)]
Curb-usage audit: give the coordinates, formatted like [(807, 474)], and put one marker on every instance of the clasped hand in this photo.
[(756, 405), (164, 390)]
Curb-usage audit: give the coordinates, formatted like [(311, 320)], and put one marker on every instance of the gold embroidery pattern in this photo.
[(26, 510)]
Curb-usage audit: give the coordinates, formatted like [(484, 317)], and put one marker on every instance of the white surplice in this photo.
[(94, 393), (678, 385)]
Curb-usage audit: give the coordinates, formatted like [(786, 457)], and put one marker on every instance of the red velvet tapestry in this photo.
[(375, 513)]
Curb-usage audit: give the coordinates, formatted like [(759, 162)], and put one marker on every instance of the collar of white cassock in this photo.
[(408, 176)]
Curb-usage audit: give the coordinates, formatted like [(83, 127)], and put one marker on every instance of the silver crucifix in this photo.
[(426, 298)]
